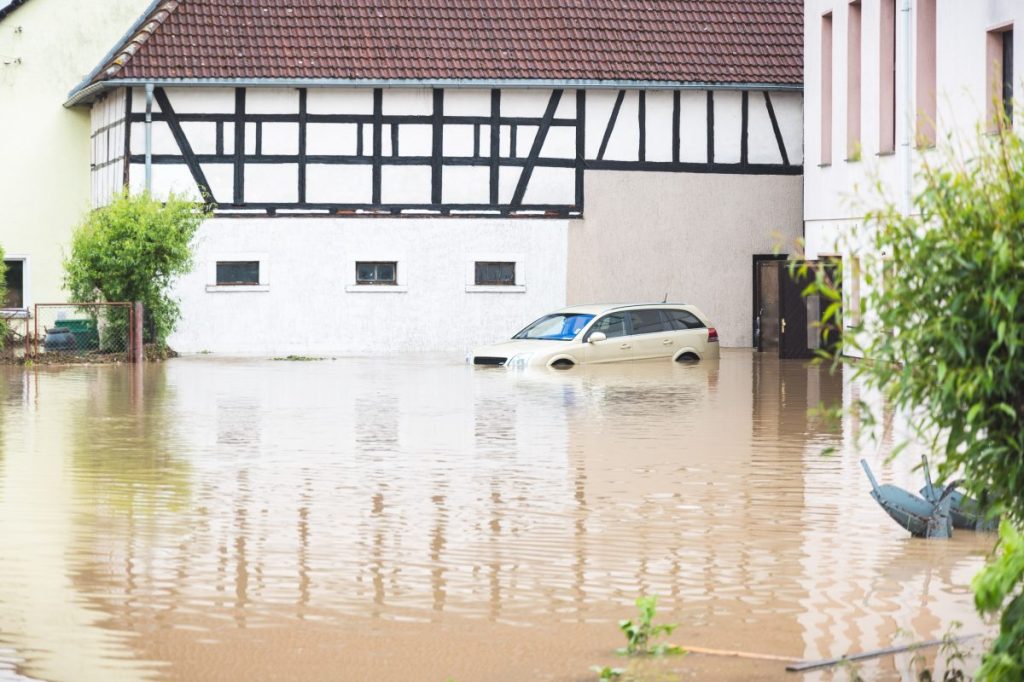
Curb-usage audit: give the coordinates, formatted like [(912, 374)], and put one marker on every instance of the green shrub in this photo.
[(132, 250), (942, 326)]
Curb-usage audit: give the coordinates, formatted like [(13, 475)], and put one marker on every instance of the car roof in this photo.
[(598, 308)]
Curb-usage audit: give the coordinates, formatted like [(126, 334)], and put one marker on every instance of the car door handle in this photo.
[(625, 346), (667, 342)]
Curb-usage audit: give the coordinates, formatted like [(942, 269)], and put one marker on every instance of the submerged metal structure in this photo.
[(936, 513)]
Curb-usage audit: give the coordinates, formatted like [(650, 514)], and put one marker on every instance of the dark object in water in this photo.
[(966, 512), (60, 339), (933, 516)]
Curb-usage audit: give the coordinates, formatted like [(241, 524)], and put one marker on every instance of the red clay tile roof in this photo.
[(698, 41)]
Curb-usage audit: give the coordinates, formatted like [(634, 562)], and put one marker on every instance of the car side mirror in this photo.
[(596, 336)]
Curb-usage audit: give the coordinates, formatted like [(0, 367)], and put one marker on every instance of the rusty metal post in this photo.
[(136, 335)]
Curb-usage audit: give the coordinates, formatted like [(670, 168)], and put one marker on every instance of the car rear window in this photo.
[(648, 321), (683, 319)]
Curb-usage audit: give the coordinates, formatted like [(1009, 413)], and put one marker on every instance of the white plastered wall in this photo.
[(307, 302)]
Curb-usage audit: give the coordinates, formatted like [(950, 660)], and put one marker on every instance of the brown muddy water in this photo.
[(419, 519)]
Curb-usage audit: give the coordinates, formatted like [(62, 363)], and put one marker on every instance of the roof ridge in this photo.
[(130, 47)]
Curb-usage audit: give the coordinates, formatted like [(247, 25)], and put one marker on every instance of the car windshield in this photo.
[(557, 327)]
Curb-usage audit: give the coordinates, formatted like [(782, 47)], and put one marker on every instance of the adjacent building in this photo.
[(405, 177), (46, 46), (887, 80)]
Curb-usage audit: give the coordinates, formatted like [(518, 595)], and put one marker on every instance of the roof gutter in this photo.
[(84, 95)]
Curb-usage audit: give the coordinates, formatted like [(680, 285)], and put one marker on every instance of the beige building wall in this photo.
[(46, 48), (690, 236)]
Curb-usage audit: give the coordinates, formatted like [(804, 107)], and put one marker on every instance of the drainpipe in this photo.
[(908, 111), (149, 138)]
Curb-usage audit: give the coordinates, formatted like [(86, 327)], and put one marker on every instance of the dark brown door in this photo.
[(799, 335)]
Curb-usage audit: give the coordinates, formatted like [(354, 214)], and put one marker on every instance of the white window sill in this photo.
[(495, 289), (376, 289), (236, 288), (14, 313)]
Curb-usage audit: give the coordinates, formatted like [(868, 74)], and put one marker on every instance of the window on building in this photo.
[(826, 89), (853, 80), (495, 273), (376, 272), (887, 78), (238, 272), (15, 280), (1008, 75), (1000, 75), (925, 76)]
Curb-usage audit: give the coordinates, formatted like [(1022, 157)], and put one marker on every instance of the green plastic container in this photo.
[(86, 335)]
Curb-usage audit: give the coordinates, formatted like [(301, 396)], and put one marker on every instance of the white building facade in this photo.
[(433, 214), (887, 80)]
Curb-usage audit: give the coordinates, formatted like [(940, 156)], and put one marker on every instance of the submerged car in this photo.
[(589, 334)]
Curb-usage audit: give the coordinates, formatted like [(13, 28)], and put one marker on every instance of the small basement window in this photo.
[(238, 272), (14, 278), (377, 272), (495, 273)]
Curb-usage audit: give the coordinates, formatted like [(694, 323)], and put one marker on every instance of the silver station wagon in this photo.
[(589, 334)]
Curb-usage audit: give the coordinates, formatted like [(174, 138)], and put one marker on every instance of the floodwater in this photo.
[(420, 519)]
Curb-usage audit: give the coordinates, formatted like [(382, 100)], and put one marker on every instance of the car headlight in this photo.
[(519, 360)]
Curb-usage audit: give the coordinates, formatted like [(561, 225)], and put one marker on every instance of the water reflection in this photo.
[(212, 519)]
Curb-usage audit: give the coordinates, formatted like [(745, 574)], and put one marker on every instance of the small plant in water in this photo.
[(640, 635), (953, 654), (297, 358), (607, 672)]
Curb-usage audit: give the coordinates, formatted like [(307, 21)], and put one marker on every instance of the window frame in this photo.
[(25, 281), (996, 76), (519, 263), (494, 283), (665, 322), (239, 283), (666, 311), (402, 268), (626, 323), (376, 281), (263, 266)]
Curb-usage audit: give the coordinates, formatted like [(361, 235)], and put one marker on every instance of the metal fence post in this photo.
[(137, 352)]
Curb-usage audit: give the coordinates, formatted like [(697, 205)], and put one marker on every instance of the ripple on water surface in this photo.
[(419, 519)]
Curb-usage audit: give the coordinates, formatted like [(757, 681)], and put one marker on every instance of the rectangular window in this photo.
[(377, 272), (648, 322), (826, 89), (682, 320), (887, 78), (926, 81), (1000, 76), (15, 280), (238, 272), (853, 81), (495, 273)]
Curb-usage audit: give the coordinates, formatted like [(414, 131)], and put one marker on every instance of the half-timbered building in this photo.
[(413, 176)]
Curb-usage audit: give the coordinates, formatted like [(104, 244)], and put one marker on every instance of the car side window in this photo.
[(683, 319), (610, 325), (648, 321)]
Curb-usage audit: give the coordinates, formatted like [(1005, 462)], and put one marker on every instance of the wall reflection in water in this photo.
[(150, 517)]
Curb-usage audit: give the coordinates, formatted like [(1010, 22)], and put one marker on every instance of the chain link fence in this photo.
[(82, 332)]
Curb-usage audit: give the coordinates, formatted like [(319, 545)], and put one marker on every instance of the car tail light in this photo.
[(712, 334)]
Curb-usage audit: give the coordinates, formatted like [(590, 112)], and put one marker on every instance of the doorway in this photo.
[(785, 321), (766, 301)]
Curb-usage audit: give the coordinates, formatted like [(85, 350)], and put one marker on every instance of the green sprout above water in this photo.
[(607, 672), (640, 634)]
